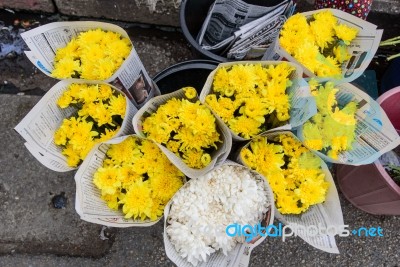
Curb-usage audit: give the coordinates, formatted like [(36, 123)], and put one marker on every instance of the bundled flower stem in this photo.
[(185, 127), (393, 41), (101, 111), (293, 172), (332, 129), (251, 98), (92, 55), (201, 211), (137, 178), (319, 43)]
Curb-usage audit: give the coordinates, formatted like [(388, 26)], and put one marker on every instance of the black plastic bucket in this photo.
[(192, 15), (188, 73)]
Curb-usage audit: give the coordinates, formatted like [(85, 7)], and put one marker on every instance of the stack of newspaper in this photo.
[(239, 30)]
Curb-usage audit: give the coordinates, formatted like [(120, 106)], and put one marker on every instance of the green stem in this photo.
[(391, 39), (389, 43), (393, 56)]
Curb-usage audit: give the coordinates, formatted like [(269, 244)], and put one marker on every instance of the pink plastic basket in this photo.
[(369, 187), (390, 102)]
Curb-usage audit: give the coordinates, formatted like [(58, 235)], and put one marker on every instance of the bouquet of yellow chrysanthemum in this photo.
[(185, 129), (135, 177), (319, 42), (294, 173), (90, 50), (99, 113), (70, 118), (332, 130), (349, 126), (92, 55), (252, 98)]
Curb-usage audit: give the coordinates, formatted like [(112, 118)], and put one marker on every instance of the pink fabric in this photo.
[(359, 8)]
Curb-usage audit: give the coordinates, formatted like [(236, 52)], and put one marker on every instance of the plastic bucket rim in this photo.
[(386, 95), (386, 178), (190, 38), (186, 65)]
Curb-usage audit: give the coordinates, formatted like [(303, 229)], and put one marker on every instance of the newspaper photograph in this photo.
[(229, 24), (40, 124), (217, 157), (362, 49), (324, 215), (131, 77), (375, 134)]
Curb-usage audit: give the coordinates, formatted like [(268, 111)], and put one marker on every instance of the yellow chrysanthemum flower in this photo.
[(255, 95), (137, 201), (66, 68), (88, 94), (73, 158), (127, 176), (117, 105), (331, 130), (104, 91), (318, 43), (183, 127), (164, 186), (157, 209), (143, 180), (94, 55), (112, 201), (60, 137), (345, 33), (190, 92), (241, 78), (293, 172), (341, 53), (108, 134), (104, 69), (65, 100), (205, 159), (224, 106), (148, 147), (106, 179), (93, 123), (125, 152), (245, 126), (221, 79), (71, 50), (192, 158)]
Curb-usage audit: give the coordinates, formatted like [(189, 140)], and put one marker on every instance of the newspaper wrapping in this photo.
[(362, 49), (240, 255), (302, 103), (217, 157), (40, 124), (255, 42), (242, 30), (375, 134), (327, 214), (88, 203), (131, 78)]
